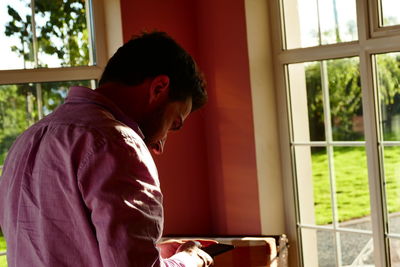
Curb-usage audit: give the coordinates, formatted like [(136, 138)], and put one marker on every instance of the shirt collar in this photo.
[(80, 94)]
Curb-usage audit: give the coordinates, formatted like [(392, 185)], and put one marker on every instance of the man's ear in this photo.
[(159, 88)]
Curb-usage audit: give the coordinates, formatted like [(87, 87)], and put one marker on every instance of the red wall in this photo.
[(208, 172)]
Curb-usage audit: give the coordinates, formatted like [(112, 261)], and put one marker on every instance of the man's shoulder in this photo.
[(91, 118)]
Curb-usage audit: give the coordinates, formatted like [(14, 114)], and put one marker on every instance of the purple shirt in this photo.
[(80, 188)]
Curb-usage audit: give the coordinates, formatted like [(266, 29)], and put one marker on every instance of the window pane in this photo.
[(338, 79), (395, 252), (23, 104), (352, 189), (345, 99), (390, 12), (322, 186), (305, 184), (60, 38), (356, 250), (391, 163), (388, 71), (319, 248), (315, 22), (306, 102), (313, 185), (16, 48)]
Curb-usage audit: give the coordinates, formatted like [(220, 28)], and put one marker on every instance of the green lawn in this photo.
[(351, 178), (3, 259)]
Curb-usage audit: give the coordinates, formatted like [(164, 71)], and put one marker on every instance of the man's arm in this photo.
[(119, 186)]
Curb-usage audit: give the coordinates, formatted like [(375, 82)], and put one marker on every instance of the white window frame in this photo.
[(371, 40), (105, 15), (375, 29)]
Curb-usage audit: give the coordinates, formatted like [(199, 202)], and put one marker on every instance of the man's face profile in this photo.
[(168, 116)]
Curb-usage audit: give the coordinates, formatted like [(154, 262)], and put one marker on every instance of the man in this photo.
[(80, 188)]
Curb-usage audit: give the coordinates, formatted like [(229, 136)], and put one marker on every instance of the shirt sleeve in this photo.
[(119, 186)]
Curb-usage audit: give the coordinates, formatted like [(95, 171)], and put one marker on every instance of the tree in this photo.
[(389, 92), (344, 95), (63, 32), (20, 27), (13, 118)]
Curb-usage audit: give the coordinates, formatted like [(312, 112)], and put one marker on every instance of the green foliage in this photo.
[(14, 117), (19, 107), (67, 22), (388, 76), (344, 94), (64, 33), (21, 28), (389, 92)]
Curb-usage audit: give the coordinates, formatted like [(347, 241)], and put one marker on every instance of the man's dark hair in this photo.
[(151, 54)]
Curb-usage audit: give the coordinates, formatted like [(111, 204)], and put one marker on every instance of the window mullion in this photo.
[(331, 165), (49, 75), (98, 25), (365, 28), (91, 37), (374, 175), (36, 61)]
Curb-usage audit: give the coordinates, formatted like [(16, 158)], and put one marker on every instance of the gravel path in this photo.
[(352, 245)]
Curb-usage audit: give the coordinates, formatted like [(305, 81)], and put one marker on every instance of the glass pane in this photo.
[(16, 48), (343, 77), (395, 252), (322, 186), (352, 189), (313, 185), (388, 71), (319, 248), (340, 78), (59, 39), (356, 250), (391, 164), (23, 104), (390, 12), (315, 22), (306, 102)]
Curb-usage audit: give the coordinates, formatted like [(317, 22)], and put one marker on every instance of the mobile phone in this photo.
[(216, 249)]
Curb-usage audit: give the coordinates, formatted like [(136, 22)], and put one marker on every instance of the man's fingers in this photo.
[(208, 261), (189, 246), (193, 247)]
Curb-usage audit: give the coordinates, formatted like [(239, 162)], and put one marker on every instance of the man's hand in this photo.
[(169, 247), (187, 249), (193, 249)]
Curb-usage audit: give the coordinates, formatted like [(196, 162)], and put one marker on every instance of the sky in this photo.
[(9, 59)]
